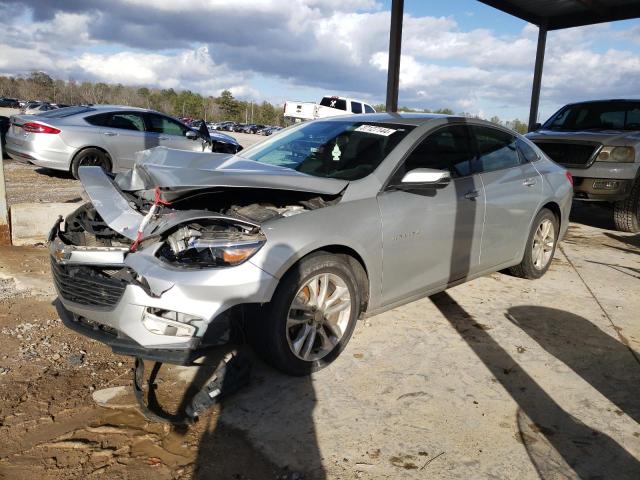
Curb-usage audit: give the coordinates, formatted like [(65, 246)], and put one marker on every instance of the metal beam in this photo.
[(395, 50), (5, 237), (537, 77)]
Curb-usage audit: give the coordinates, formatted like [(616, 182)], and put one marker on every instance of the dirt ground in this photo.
[(498, 378)]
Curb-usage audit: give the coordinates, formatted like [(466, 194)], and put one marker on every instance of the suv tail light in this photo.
[(569, 177), (34, 127)]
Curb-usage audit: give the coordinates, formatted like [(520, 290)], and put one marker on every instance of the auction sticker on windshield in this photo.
[(376, 130)]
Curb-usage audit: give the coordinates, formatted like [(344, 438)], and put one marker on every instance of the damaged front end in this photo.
[(164, 281)]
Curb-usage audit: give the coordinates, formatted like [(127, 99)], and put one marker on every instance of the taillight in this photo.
[(569, 177), (33, 127)]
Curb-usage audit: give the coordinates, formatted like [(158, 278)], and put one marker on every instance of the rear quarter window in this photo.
[(99, 120), (331, 102)]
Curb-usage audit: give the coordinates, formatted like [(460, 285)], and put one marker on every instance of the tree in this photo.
[(229, 105)]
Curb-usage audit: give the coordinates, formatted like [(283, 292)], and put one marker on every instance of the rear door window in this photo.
[(448, 148), (497, 150), (356, 107), (126, 121)]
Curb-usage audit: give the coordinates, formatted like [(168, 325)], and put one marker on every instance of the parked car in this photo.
[(599, 142), (6, 102), (104, 135), (37, 108), (302, 234), (329, 106), (239, 127)]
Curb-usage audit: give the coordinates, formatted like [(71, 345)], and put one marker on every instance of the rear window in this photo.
[(333, 102), (66, 112)]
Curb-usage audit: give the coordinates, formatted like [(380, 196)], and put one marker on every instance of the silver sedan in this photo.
[(102, 135), (302, 234)]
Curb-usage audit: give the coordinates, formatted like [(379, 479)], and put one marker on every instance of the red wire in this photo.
[(157, 201)]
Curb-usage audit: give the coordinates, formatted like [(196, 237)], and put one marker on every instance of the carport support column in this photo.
[(537, 76), (5, 236), (395, 49)]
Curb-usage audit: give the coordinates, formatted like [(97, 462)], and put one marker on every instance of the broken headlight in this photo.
[(193, 247)]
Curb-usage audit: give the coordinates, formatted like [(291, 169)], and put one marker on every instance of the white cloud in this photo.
[(339, 46)]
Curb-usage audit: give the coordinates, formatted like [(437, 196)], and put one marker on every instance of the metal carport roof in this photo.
[(546, 14)]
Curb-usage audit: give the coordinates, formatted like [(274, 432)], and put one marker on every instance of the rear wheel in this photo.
[(540, 247), (90, 157), (311, 317), (626, 213)]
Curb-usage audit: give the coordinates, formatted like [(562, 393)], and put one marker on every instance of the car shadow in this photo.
[(264, 430), (54, 173), (592, 214), (606, 364), (544, 426), (631, 240)]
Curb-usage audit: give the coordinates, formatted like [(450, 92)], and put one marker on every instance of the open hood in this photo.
[(186, 172)]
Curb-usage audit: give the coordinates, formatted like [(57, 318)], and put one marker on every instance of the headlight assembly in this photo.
[(193, 247), (617, 154)]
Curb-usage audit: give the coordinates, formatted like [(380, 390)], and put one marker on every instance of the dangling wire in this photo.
[(158, 201)]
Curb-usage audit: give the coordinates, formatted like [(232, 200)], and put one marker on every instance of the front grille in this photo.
[(576, 155), (88, 285)]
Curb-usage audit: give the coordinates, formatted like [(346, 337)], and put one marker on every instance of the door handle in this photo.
[(529, 182), (110, 134), (472, 194), (162, 137)]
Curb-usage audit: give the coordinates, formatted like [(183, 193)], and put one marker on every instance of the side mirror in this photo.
[(535, 126), (424, 178), (191, 134)]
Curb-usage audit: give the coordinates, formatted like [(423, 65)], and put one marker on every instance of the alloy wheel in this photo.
[(318, 316), (543, 243)]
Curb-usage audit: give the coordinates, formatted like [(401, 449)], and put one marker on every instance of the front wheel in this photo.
[(541, 245), (311, 317), (626, 213)]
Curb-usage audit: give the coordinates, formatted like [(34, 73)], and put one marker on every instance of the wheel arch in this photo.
[(86, 147), (555, 209), (356, 262)]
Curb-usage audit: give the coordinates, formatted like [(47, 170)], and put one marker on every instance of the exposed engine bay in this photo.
[(229, 237)]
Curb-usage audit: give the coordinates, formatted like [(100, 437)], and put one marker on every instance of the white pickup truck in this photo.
[(329, 106)]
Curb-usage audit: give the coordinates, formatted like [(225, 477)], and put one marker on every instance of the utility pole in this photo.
[(251, 111)]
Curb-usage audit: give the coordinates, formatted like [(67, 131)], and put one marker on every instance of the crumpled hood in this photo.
[(188, 171), (606, 137)]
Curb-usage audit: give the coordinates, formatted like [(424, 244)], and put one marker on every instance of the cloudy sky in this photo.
[(459, 54)]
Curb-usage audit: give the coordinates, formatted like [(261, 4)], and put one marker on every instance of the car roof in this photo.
[(610, 100), (415, 119), (118, 107)]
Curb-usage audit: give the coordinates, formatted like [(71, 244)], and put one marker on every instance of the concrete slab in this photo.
[(31, 222), (497, 378)]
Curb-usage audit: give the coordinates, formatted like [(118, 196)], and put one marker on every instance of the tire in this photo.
[(276, 335), (532, 265), (90, 156), (626, 213)]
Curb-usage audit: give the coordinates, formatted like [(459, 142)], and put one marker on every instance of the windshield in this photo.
[(332, 149), (66, 112), (597, 116)]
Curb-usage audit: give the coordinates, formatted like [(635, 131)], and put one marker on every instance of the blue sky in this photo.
[(459, 54)]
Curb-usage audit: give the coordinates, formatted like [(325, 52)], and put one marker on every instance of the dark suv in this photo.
[(599, 143)]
